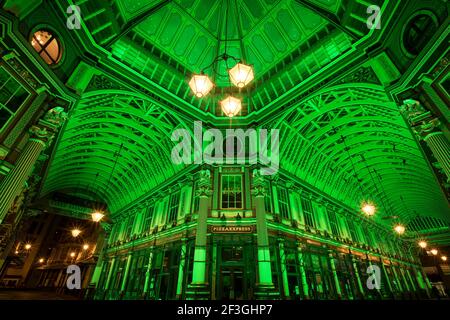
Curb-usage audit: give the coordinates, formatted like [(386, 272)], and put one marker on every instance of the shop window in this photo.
[(12, 97), (47, 46), (231, 193)]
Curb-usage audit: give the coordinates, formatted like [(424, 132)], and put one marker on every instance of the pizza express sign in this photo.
[(232, 229)]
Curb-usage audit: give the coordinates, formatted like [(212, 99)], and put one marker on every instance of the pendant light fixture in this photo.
[(230, 106), (200, 85), (239, 75)]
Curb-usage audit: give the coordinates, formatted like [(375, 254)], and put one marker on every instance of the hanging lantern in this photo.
[(241, 75), (368, 208), (75, 232), (230, 106), (200, 85), (423, 244), (399, 229), (97, 216)]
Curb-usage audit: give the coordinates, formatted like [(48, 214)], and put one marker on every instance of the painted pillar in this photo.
[(181, 269), (103, 239), (413, 286), (14, 181), (427, 127), (426, 282), (404, 278), (357, 276), (283, 268), (397, 280), (214, 272), (264, 266), (111, 269), (41, 135), (301, 264), (148, 283), (199, 285), (125, 274), (386, 276), (440, 147), (335, 276)]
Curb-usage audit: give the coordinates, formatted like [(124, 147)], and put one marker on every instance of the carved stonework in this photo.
[(55, 116), (14, 63), (412, 109), (101, 82), (259, 184), (426, 127), (107, 227), (422, 121), (204, 184), (47, 127), (362, 75)]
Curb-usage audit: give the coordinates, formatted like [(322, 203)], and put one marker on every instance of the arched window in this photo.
[(418, 31), (47, 46)]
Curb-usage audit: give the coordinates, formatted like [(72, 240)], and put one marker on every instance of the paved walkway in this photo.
[(13, 294)]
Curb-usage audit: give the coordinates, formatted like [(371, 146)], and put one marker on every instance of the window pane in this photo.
[(231, 192)]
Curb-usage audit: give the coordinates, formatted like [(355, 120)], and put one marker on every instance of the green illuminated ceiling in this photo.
[(288, 43)]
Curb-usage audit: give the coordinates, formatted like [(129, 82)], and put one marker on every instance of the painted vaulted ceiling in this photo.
[(345, 138)]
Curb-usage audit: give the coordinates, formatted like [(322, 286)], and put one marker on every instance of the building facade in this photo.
[(94, 94), (227, 232)]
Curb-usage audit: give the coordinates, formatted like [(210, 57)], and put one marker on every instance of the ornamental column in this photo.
[(125, 274), (301, 266), (41, 136), (440, 147), (148, 284), (426, 127), (397, 280), (199, 286), (264, 282), (181, 268), (358, 278), (110, 273), (335, 276), (284, 274), (100, 251), (388, 280)]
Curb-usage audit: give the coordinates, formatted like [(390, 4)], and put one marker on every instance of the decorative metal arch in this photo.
[(356, 123), (103, 123)]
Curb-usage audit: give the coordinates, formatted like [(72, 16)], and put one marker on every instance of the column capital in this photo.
[(204, 188), (427, 127), (259, 184), (48, 125)]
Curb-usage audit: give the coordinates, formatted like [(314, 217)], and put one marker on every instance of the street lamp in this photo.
[(434, 252)]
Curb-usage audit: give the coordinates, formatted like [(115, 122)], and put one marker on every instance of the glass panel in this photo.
[(12, 97), (231, 192)]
